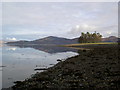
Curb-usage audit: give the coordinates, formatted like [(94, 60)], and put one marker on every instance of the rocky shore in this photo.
[(97, 68)]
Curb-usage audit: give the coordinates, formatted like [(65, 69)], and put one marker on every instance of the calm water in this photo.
[(19, 62)]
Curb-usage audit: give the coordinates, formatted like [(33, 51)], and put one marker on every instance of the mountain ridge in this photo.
[(53, 40), (111, 39), (47, 40)]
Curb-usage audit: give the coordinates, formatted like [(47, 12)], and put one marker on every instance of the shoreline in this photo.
[(96, 69)]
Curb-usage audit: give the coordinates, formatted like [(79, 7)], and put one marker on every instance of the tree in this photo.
[(89, 37)]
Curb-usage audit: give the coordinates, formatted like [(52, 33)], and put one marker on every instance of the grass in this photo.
[(80, 44)]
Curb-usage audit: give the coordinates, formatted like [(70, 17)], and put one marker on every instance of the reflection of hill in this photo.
[(47, 48)]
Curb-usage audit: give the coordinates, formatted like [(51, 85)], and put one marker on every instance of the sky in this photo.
[(34, 20)]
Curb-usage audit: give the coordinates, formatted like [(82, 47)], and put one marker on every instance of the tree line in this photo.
[(90, 37)]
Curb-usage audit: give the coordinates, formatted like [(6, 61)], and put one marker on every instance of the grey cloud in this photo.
[(105, 31), (59, 18)]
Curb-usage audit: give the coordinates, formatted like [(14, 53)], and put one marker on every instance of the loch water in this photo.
[(20, 62)]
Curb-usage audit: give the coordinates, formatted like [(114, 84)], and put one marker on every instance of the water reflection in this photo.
[(21, 61), (12, 48), (46, 48)]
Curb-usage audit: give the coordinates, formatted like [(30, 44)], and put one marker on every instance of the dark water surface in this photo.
[(19, 62)]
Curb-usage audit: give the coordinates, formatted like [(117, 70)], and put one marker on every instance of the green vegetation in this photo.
[(89, 37)]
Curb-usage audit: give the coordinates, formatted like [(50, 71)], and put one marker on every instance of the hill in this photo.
[(52, 40), (110, 39)]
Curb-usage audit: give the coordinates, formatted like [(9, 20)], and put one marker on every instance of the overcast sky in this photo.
[(29, 21)]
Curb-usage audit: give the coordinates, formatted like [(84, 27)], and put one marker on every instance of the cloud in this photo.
[(75, 31), (59, 18), (11, 39), (105, 31)]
